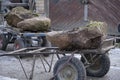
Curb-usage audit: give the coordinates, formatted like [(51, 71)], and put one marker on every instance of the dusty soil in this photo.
[(10, 67)]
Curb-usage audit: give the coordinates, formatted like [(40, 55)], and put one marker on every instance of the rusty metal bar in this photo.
[(33, 67), (46, 61), (43, 64), (58, 56), (22, 67), (17, 51), (41, 49), (24, 53), (39, 53), (36, 51), (51, 63), (13, 52)]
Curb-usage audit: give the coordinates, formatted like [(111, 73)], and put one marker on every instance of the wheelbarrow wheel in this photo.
[(69, 70), (100, 67), (3, 42), (18, 44)]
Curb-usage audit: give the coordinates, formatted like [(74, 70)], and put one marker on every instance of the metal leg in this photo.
[(33, 67), (58, 56), (51, 63), (43, 63), (46, 61), (23, 67)]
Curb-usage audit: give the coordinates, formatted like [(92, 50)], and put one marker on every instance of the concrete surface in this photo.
[(6, 78)]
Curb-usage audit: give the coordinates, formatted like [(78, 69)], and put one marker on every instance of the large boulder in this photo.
[(18, 14), (36, 24), (89, 37)]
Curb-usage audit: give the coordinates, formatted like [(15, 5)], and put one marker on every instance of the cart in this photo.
[(93, 62)]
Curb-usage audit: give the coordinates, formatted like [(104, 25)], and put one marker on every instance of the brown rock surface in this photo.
[(35, 24), (18, 14), (89, 37)]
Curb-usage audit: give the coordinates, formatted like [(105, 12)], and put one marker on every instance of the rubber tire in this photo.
[(4, 42), (75, 62), (103, 70), (20, 42)]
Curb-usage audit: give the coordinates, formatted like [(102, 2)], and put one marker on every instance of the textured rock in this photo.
[(35, 24), (89, 37), (18, 14)]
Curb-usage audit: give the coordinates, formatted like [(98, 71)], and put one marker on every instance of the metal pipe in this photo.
[(86, 12), (46, 8), (33, 68), (15, 4), (43, 64), (22, 67)]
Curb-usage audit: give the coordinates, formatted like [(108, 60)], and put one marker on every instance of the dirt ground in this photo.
[(10, 67)]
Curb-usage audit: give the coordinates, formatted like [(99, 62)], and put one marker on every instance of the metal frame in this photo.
[(34, 53), (37, 51)]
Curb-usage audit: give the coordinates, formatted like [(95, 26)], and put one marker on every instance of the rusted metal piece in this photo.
[(22, 67), (33, 67), (39, 51), (43, 60)]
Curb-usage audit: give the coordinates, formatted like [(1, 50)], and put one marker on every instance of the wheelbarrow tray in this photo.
[(106, 45)]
